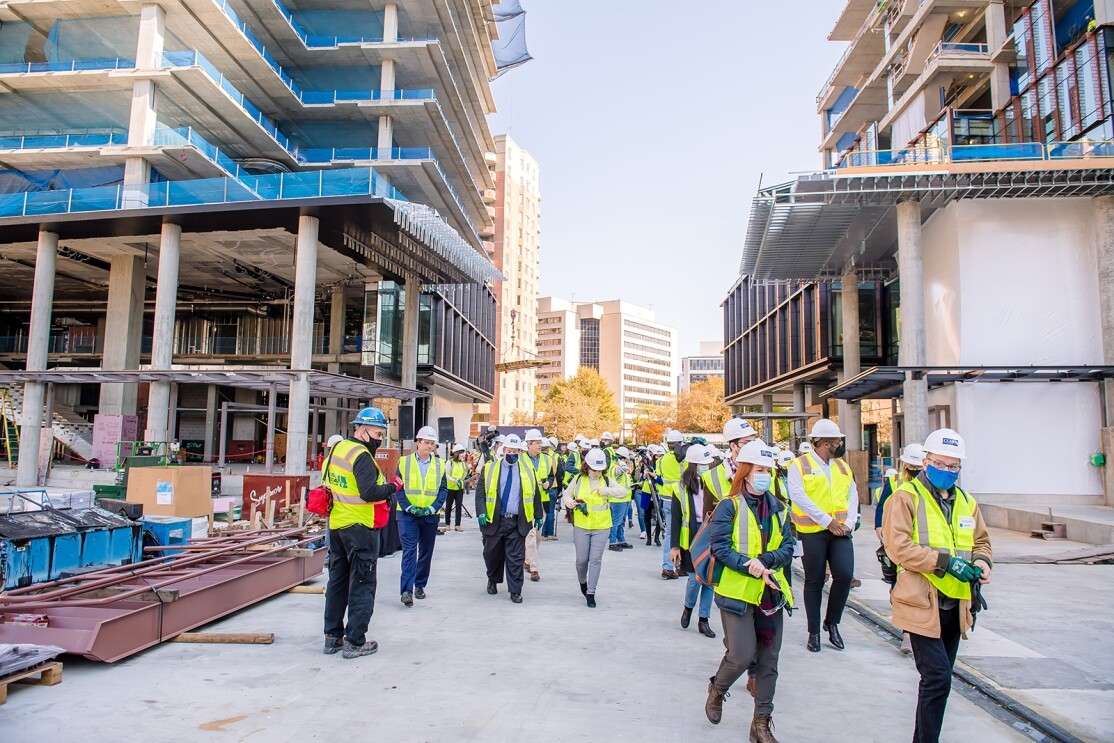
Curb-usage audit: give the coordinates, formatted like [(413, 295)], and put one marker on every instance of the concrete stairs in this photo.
[(70, 429)]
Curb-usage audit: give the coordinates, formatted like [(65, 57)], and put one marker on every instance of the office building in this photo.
[(634, 353), (517, 245), (272, 205), (967, 196), (701, 368)]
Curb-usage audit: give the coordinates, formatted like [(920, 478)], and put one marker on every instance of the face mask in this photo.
[(511, 458), (839, 451), (702, 468), (941, 479), (914, 471), (761, 483)]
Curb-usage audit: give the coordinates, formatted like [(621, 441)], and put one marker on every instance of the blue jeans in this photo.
[(618, 514), (641, 520), (694, 587), (549, 524), (666, 518), (630, 511)]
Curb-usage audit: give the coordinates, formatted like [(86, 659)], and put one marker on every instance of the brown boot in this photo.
[(761, 729), (713, 708)]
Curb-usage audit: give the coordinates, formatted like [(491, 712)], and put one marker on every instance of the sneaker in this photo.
[(642, 535), (458, 529), (333, 645), (350, 651), (419, 592), (407, 599), (855, 582), (626, 545), (614, 548)]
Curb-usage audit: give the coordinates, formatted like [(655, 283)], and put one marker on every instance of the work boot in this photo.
[(407, 599), (705, 628), (491, 588), (669, 575), (591, 599), (614, 548), (761, 729), (333, 645), (686, 617), (419, 592), (713, 708), (584, 589), (535, 576), (350, 651)]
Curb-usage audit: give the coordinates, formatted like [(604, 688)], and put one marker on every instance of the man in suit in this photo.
[(508, 501)]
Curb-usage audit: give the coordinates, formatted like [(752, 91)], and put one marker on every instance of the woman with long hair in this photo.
[(752, 542), (691, 506), (588, 499)]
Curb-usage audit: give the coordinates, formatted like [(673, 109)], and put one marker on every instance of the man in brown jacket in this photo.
[(935, 532)]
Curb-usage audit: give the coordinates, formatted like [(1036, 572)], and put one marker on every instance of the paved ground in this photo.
[(465, 666)]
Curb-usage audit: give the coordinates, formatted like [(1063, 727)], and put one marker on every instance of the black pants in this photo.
[(455, 497), (935, 657), (505, 550), (824, 550), (353, 559)]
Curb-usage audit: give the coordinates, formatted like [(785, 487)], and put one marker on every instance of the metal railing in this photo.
[(186, 136), (75, 65), (59, 141), (947, 48), (967, 153)]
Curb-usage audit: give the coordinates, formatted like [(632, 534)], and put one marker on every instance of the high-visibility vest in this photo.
[(685, 499), (528, 482), (895, 483), (718, 481), (541, 472), (931, 529), (340, 476), (669, 470), (622, 479), (779, 486), (832, 498), (422, 493), (599, 510), (746, 539), (554, 464), (455, 474)]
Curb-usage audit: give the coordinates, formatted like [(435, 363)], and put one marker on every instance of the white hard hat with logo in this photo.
[(594, 443), (426, 433), (457, 449), (622, 452), (756, 452), (784, 458), (806, 448), (698, 454), (825, 429), (533, 435), (946, 443), (737, 428), (673, 437), (596, 460), (913, 454), (513, 442), (605, 436), (656, 449)]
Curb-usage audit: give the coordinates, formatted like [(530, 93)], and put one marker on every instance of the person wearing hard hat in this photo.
[(912, 462), (508, 500), (934, 531), (620, 473), (553, 490), (648, 518), (669, 475), (691, 508), (607, 446), (575, 458), (424, 494), (361, 508), (737, 433), (825, 507), (751, 539), (456, 477), (780, 488), (540, 464), (806, 448), (588, 498)]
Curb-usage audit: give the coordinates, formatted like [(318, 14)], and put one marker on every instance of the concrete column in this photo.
[(210, 422), (913, 349), (301, 345), (800, 427), (997, 32), (390, 22), (851, 416), (141, 122), (162, 342), (127, 284), (386, 138), (38, 342), (1104, 241), (410, 334), (768, 423), (272, 402), (336, 347)]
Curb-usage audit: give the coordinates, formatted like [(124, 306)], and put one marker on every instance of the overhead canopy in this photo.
[(321, 384), (886, 382)]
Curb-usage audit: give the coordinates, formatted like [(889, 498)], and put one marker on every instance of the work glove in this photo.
[(397, 482), (425, 511), (582, 507), (482, 518), (413, 510), (537, 523), (963, 570)]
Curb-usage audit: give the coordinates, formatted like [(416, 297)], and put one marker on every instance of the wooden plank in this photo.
[(227, 638), (307, 589), (164, 595), (49, 674)]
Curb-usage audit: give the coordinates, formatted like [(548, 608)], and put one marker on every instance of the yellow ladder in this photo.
[(11, 426)]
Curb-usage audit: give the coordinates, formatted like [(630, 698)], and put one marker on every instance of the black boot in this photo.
[(584, 589), (591, 597), (814, 643), (686, 617), (833, 635), (705, 628)]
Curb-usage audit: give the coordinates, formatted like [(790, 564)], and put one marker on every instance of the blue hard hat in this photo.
[(371, 417)]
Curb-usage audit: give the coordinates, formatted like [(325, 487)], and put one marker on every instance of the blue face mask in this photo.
[(761, 483), (511, 458), (702, 468), (941, 479)]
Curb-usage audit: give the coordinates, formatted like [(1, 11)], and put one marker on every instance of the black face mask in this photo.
[(373, 444), (840, 450), (511, 458), (913, 471)]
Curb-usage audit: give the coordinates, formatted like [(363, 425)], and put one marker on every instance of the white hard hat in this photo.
[(756, 452), (594, 443), (334, 440), (578, 438), (548, 443), (513, 442), (737, 428), (585, 444), (673, 437), (698, 454), (427, 433), (656, 449), (891, 472), (596, 459), (806, 448), (623, 452), (825, 429), (501, 439), (946, 443), (913, 454), (571, 445), (714, 452), (457, 449), (533, 435), (605, 436), (784, 457)]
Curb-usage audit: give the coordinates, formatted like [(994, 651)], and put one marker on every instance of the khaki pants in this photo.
[(532, 541)]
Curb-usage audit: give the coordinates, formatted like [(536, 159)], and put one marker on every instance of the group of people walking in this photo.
[(759, 507)]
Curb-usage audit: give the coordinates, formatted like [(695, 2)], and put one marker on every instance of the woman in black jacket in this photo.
[(752, 541)]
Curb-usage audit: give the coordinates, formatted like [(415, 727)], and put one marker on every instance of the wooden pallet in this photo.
[(49, 674)]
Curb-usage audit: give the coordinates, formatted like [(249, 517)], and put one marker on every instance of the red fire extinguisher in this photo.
[(320, 460)]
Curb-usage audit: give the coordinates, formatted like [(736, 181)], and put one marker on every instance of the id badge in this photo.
[(967, 522)]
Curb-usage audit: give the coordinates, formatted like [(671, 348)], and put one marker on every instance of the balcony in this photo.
[(1101, 152)]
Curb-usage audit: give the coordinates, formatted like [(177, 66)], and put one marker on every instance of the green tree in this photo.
[(579, 404)]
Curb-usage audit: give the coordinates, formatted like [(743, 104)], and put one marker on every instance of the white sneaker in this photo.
[(642, 535)]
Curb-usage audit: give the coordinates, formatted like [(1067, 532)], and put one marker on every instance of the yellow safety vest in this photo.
[(421, 494), (622, 479), (748, 543), (830, 498), (685, 499), (455, 474), (348, 507), (541, 472), (956, 539), (669, 470), (491, 487), (718, 481), (599, 510)]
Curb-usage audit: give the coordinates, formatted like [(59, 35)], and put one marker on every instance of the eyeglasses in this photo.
[(941, 466)]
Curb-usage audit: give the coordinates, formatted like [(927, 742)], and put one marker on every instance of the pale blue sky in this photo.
[(652, 122)]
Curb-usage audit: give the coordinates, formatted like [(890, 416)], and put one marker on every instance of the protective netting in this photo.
[(510, 48)]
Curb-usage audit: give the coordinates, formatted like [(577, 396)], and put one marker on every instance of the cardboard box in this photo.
[(172, 491)]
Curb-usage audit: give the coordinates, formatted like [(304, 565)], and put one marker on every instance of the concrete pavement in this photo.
[(465, 666)]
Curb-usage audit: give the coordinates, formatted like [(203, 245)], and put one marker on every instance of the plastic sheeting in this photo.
[(18, 181), (510, 48)]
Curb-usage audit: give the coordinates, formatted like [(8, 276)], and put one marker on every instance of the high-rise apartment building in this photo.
[(517, 245), (700, 368), (634, 353), (292, 193)]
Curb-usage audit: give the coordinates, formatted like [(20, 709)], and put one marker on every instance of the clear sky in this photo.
[(653, 122)]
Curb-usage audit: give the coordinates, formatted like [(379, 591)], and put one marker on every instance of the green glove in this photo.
[(537, 523), (412, 510), (482, 518), (425, 511), (963, 570), (582, 507)]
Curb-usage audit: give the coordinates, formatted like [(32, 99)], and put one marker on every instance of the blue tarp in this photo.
[(510, 48)]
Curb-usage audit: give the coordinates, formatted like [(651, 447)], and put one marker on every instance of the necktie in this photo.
[(506, 497)]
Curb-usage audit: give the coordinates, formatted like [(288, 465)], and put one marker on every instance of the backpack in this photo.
[(319, 501), (704, 564)]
